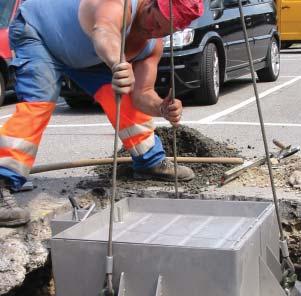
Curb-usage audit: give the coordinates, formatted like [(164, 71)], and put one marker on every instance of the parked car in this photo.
[(213, 49), (7, 12), (289, 22)]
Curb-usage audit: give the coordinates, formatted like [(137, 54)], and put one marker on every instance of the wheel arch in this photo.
[(276, 35), (4, 70)]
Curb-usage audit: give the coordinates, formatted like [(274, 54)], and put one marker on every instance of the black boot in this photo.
[(10, 213)]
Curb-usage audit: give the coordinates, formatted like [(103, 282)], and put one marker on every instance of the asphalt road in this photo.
[(74, 135)]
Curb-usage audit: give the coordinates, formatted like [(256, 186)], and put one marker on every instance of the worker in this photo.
[(81, 39)]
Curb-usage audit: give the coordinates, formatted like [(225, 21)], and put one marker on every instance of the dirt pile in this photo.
[(259, 176), (190, 142)]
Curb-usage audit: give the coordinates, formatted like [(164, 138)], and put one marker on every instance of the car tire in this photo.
[(2, 89), (271, 71), (210, 78), (286, 44), (84, 102)]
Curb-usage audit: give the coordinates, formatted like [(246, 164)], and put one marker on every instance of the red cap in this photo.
[(184, 11)]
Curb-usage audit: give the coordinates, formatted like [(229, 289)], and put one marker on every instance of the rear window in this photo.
[(6, 9)]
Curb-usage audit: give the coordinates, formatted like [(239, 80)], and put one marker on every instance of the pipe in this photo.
[(101, 161)]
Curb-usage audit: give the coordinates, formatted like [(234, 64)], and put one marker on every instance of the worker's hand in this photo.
[(123, 78), (171, 110)]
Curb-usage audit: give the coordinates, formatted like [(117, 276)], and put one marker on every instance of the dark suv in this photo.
[(213, 49)]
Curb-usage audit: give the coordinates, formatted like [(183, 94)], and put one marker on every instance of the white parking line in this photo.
[(205, 121), (6, 116), (257, 123), (227, 111)]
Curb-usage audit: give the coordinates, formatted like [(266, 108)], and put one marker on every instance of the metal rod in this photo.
[(172, 80), (114, 177), (266, 148), (89, 211)]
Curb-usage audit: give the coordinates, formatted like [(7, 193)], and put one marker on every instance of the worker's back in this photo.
[(57, 23)]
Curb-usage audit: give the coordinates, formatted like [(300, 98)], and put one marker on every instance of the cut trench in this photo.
[(190, 142)]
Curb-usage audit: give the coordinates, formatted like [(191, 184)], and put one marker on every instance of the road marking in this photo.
[(205, 121), (289, 59), (256, 123), (288, 76), (164, 123), (5, 116), (227, 111)]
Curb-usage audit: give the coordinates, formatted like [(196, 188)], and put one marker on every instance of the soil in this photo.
[(259, 176), (190, 142)]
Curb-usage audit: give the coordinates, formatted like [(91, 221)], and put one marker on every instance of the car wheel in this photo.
[(209, 76), (285, 44), (2, 89), (79, 102), (271, 72)]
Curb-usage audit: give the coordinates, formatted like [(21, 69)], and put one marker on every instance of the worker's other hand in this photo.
[(171, 110), (123, 78)]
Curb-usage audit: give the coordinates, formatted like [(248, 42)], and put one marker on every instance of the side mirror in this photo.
[(217, 6)]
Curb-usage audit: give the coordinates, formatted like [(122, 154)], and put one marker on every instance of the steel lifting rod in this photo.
[(283, 242), (109, 259), (172, 80)]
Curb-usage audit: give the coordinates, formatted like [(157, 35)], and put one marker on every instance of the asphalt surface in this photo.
[(74, 135)]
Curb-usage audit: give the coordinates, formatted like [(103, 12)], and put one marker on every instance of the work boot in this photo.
[(165, 171), (10, 213)]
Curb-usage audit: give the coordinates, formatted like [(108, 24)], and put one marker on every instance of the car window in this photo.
[(6, 8), (252, 2)]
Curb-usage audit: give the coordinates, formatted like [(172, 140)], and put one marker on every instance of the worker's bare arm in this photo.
[(106, 30), (145, 98), (102, 20)]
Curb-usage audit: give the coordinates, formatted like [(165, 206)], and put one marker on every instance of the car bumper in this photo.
[(187, 65)]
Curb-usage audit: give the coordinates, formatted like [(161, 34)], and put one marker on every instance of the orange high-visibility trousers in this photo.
[(21, 134), (20, 137), (136, 129)]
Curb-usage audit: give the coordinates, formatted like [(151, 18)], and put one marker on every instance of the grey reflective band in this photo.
[(20, 144), (15, 166), (144, 146), (136, 129)]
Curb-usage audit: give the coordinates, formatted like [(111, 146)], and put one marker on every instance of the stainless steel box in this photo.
[(194, 247)]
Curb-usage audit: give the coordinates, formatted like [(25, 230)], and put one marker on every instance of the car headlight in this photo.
[(180, 38)]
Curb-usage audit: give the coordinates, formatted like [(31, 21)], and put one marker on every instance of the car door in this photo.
[(263, 21), (290, 19), (233, 35)]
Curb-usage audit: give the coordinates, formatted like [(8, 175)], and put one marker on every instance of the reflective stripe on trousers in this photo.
[(21, 135), (136, 128)]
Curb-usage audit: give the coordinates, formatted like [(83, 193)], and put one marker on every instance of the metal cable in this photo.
[(266, 148), (172, 80), (109, 261)]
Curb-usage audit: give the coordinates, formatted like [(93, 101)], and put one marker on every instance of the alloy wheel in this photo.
[(275, 58), (216, 75)]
